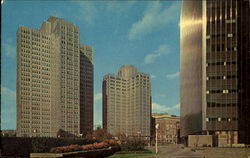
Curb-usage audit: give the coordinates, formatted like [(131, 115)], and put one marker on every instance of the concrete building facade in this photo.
[(48, 79), (127, 102), (215, 63), (169, 126)]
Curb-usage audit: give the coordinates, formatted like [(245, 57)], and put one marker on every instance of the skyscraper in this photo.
[(127, 102), (48, 79), (86, 89), (215, 64)]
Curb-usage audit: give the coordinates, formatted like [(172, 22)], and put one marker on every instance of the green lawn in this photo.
[(133, 155)]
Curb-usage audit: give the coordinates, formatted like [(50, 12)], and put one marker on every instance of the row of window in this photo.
[(221, 77), (214, 104), (219, 119), (226, 91), (221, 63), (220, 47)]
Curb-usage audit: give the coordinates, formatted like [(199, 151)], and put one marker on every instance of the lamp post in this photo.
[(156, 130)]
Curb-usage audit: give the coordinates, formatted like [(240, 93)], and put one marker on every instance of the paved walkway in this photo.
[(175, 151)]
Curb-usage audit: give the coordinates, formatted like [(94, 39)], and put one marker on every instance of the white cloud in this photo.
[(8, 95), (87, 11), (8, 108), (119, 7), (158, 108), (174, 75), (155, 16), (98, 96), (162, 50), (9, 49), (153, 76)]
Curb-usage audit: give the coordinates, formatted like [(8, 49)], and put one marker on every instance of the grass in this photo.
[(131, 154)]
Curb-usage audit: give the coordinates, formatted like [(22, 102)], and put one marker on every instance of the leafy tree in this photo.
[(101, 134)]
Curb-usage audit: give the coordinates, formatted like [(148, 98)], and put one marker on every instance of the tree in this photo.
[(62, 133), (101, 134)]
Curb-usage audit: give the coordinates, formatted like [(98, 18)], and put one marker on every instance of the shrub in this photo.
[(23, 146), (100, 145), (15, 146), (101, 134), (71, 148), (88, 147), (45, 144), (111, 142), (133, 144)]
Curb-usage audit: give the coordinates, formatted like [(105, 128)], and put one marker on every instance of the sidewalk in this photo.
[(176, 151)]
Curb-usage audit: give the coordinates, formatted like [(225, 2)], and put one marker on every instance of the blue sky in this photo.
[(141, 33)]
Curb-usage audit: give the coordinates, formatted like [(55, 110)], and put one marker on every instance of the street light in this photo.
[(156, 146)]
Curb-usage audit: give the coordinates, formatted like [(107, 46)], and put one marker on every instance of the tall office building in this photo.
[(215, 65), (48, 79), (86, 89), (127, 102)]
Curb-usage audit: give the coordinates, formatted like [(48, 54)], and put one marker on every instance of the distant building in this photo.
[(48, 80), (168, 129), (215, 68), (127, 102)]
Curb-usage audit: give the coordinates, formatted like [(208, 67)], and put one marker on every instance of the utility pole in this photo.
[(156, 132)]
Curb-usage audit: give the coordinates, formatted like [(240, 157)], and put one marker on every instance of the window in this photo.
[(230, 35), (225, 91)]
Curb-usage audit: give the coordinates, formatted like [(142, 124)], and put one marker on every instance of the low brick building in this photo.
[(168, 130)]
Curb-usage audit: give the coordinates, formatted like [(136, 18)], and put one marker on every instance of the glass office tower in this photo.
[(215, 57), (86, 89)]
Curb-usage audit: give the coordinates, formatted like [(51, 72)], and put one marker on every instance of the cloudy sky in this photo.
[(141, 33)]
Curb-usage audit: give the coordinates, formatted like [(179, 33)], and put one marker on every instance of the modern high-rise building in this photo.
[(127, 102), (48, 79), (86, 89), (215, 68)]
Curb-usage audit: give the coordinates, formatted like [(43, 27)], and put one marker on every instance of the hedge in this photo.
[(75, 147), (23, 146)]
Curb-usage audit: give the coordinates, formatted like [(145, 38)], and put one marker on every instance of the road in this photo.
[(175, 151)]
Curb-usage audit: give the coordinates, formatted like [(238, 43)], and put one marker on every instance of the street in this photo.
[(177, 151)]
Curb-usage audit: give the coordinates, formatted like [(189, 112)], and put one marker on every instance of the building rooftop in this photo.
[(164, 115)]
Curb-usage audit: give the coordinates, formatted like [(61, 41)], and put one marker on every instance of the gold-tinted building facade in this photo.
[(223, 60)]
